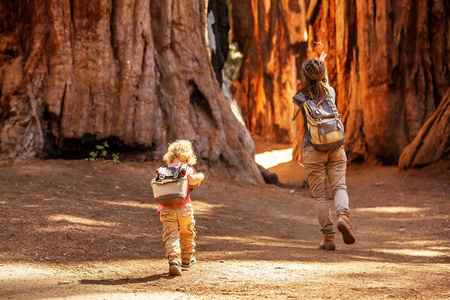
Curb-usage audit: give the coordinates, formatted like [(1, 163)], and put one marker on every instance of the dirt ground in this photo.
[(89, 230)]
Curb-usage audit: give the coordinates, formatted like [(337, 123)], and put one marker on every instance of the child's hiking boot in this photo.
[(343, 225), (186, 262), (329, 242), (174, 268)]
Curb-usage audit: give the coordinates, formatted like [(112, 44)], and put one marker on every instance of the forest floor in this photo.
[(89, 230)]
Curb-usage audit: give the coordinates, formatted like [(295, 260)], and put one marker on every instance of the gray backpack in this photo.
[(323, 122), (171, 185)]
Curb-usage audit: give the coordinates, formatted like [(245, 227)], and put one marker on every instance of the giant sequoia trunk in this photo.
[(271, 36), (135, 72), (388, 60), (392, 61), (432, 143)]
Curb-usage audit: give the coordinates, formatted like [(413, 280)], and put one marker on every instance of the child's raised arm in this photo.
[(196, 178)]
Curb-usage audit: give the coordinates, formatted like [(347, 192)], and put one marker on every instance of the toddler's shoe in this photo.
[(186, 262), (174, 268)]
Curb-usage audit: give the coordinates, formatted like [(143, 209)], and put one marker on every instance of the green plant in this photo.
[(92, 156), (115, 157), (102, 149), (102, 154)]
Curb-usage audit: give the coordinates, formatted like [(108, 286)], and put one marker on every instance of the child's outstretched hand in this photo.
[(195, 179), (322, 56)]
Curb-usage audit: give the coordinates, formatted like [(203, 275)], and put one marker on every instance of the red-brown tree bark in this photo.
[(389, 62), (392, 62), (432, 143), (271, 36), (135, 72)]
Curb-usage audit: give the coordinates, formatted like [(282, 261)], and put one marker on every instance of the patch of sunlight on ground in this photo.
[(135, 295), (302, 219), (391, 209), (413, 252), (66, 228), (270, 159), (130, 203), (22, 270), (79, 220), (428, 244), (412, 243), (205, 207), (446, 249), (42, 281), (83, 224)]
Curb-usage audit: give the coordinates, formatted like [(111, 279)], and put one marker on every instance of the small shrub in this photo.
[(102, 154), (115, 157)]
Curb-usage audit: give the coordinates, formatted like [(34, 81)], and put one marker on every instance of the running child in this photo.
[(178, 220)]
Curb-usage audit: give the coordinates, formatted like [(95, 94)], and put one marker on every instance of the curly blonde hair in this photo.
[(181, 149), (316, 85)]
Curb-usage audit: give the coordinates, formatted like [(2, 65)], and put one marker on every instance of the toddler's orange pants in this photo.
[(178, 232)]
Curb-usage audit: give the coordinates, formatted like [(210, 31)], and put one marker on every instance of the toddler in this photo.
[(178, 220)]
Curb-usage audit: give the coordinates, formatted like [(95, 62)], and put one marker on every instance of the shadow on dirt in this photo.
[(123, 281)]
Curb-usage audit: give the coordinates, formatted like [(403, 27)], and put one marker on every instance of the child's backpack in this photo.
[(171, 185), (323, 123)]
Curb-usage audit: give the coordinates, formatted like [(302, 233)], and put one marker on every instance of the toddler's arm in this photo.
[(196, 178)]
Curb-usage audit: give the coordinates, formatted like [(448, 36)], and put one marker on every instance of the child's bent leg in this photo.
[(336, 174), (315, 167), (171, 234), (187, 231)]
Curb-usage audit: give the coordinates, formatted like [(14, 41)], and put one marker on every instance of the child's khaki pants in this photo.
[(319, 166), (178, 232)]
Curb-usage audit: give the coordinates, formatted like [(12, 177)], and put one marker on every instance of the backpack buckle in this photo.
[(162, 176), (319, 120)]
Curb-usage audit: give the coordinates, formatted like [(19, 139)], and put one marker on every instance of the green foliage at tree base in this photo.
[(102, 154)]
